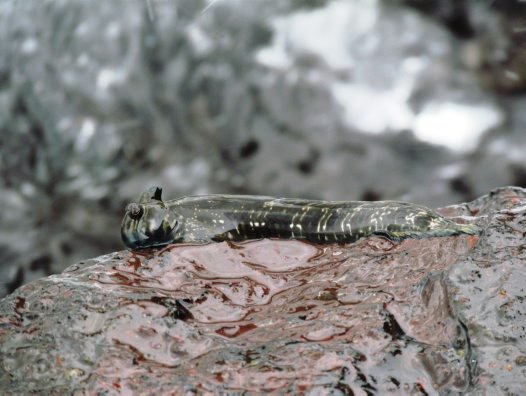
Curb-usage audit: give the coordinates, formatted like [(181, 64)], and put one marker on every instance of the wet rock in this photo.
[(420, 316), (494, 37), (489, 292), (225, 317)]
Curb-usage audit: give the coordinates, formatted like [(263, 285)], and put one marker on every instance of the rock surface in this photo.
[(425, 316)]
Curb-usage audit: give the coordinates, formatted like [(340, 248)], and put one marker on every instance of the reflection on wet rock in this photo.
[(489, 292), (263, 315)]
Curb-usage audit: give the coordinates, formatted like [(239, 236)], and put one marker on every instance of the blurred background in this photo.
[(417, 100)]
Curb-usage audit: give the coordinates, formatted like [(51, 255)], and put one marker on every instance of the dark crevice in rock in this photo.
[(175, 308), (518, 173), (250, 148), (462, 186), (41, 263), (452, 13), (308, 165), (392, 327), (370, 195), (16, 282)]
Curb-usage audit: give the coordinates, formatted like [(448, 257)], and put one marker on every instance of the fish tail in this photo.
[(458, 229)]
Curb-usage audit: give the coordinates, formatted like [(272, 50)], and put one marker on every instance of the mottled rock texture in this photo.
[(427, 316)]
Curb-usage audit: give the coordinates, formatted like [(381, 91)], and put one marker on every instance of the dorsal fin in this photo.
[(152, 194)]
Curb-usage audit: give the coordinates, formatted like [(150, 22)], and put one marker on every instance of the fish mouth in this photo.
[(159, 237), (130, 235)]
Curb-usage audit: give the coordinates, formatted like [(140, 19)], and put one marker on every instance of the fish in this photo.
[(152, 222)]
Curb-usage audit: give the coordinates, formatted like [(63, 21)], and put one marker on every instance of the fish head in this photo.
[(150, 224)]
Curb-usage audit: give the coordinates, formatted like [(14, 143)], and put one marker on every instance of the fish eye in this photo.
[(135, 211)]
